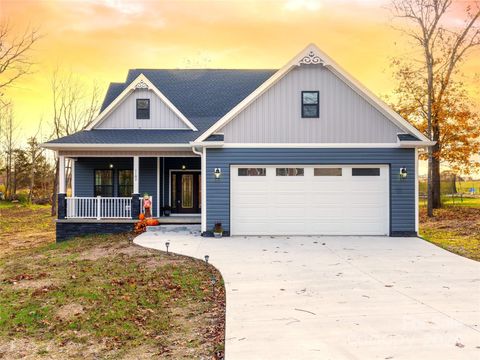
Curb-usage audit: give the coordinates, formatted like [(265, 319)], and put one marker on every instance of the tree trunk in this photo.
[(436, 194), (430, 184), (454, 185)]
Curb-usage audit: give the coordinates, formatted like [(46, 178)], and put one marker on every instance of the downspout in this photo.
[(203, 156)]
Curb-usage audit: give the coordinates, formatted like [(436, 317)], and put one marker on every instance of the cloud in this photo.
[(311, 5)]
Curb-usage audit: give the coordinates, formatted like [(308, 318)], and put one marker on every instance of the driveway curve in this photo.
[(339, 297)]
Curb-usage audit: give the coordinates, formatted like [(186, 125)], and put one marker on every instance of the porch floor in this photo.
[(175, 219)]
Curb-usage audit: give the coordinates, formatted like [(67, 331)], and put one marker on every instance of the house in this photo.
[(303, 150)]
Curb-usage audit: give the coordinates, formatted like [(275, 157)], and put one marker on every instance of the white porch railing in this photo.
[(99, 208)]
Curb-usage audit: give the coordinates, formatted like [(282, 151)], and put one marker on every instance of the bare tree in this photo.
[(8, 135), (443, 47), (74, 107), (14, 54)]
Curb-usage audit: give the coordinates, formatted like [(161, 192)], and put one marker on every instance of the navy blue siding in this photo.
[(84, 175), (175, 163), (402, 192)]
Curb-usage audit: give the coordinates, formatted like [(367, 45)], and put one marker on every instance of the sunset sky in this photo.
[(101, 39)]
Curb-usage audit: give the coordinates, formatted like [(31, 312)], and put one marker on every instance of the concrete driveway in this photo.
[(340, 297)]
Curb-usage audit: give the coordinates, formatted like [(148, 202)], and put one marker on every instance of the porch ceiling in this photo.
[(128, 153)]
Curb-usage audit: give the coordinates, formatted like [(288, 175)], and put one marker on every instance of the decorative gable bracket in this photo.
[(141, 85), (311, 59)]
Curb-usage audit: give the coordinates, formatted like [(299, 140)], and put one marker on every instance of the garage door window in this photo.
[(290, 171), (327, 172), (252, 171), (366, 172)]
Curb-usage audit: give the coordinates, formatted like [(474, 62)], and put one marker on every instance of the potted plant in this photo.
[(218, 230), (167, 210)]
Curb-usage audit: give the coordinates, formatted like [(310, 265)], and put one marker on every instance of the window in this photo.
[(125, 183), (310, 104), (103, 183), (252, 172), (290, 172), (327, 172), (143, 108), (366, 172)]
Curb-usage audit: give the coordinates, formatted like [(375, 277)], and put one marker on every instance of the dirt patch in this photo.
[(34, 284), (68, 312)]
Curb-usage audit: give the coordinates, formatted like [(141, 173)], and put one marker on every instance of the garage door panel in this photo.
[(309, 204)]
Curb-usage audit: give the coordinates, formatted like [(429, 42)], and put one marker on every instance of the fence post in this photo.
[(99, 207)]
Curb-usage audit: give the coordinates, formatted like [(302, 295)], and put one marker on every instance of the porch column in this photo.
[(204, 190), (73, 162), (136, 188), (61, 201)]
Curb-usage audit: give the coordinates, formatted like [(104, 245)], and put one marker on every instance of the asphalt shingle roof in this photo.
[(203, 96)]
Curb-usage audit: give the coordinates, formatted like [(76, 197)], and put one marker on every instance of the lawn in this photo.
[(101, 297), (454, 228), (24, 226)]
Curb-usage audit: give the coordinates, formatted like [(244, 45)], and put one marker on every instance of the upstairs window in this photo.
[(143, 108), (310, 104)]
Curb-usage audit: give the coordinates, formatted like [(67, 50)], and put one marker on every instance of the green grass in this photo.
[(446, 186), (129, 297), (454, 228)]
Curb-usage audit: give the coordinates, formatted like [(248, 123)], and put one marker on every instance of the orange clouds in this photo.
[(102, 39)]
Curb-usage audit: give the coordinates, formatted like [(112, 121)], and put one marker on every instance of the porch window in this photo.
[(103, 183), (143, 108), (125, 183)]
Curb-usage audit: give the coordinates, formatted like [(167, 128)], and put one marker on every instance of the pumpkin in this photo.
[(141, 216), (152, 222)]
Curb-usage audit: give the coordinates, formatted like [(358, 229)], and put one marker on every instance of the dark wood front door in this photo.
[(185, 192)]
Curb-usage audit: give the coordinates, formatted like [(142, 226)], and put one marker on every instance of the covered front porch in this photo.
[(102, 187)]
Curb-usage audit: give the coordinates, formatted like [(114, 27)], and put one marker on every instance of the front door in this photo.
[(185, 192)]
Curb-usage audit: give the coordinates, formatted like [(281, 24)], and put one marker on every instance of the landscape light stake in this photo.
[(206, 259), (167, 244), (213, 280)]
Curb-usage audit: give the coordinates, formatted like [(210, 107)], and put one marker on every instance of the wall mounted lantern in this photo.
[(217, 172), (403, 173)]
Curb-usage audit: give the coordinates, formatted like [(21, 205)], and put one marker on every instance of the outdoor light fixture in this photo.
[(206, 258), (167, 244), (217, 172), (184, 167), (110, 166), (403, 173)]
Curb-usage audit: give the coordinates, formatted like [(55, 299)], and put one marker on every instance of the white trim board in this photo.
[(141, 82), (313, 55)]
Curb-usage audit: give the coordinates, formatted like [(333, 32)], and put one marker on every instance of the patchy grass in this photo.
[(102, 297), (454, 228), (24, 226)]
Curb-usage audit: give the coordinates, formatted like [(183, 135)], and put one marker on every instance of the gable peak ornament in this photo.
[(141, 85), (311, 59)]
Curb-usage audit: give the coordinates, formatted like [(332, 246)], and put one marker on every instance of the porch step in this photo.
[(179, 219), (175, 229)]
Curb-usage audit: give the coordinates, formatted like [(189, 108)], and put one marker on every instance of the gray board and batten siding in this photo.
[(345, 116), (125, 117)]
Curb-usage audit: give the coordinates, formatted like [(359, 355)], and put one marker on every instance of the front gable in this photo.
[(121, 113), (349, 113), (276, 115), (124, 115)]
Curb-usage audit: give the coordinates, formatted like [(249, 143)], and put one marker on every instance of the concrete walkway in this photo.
[(340, 297)]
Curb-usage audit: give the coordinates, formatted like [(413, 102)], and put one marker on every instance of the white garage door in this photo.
[(310, 200)]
